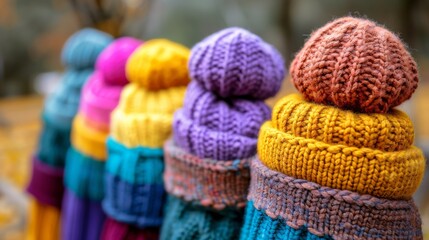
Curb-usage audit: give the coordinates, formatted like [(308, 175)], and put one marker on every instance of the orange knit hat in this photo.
[(356, 65)]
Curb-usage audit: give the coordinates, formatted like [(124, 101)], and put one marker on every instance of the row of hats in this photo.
[(334, 162)]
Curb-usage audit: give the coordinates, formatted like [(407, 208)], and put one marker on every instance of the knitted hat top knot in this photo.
[(82, 48), (235, 62), (159, 64), (111, 62), (357, 65)]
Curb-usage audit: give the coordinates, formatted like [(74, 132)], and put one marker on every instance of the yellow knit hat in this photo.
[(158, 64), (44, 222), (366, 153), (88, 140), (158, 74)]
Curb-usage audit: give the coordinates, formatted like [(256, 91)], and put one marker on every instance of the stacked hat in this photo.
[(82, 216), (215, 134), (140, 125), (46, 186), (338, 161)]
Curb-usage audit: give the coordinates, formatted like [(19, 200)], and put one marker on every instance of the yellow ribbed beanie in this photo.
[(158, 74), (366, 153)]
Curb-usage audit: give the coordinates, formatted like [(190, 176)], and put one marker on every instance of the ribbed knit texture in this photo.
[(207, 162), (115, 230), (84, 172), (355, 64), (79, 54), (140, 125), (346, 171)]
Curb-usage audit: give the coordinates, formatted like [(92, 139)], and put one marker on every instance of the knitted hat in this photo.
[(82, 48), (85, 218), (310, 209), (132, 185), (236, 63), (366, 153), (140, 125), (185, 220), (207, 164), (46, 184), (115, 230), (44, 222), (212, 127), (112, 61), (325, 172), (355, 64), (84, 176)]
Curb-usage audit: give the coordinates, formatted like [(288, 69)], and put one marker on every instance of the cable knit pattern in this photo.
[(236, 63), (326, 211), (82, 48), (210, 127), (395, 175), (355, 64), (112, 61), (211, 183), (159, 64)]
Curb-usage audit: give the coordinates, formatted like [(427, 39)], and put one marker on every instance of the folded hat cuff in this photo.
[(139, 204), (46, 184), (84, 176), (393, 175), (208, 182), (138, 165), (326, 211), (88, 141), (207, 143)]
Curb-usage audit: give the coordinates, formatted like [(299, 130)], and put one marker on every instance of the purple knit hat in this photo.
[(236, 63), (211, 127)]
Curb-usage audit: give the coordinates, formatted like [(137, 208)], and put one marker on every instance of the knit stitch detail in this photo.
[(327, 211), (355, 64), (208, 182), (394, 175), (389, 132), (90, 142)]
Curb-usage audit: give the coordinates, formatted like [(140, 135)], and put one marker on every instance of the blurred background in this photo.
[(32, 33)]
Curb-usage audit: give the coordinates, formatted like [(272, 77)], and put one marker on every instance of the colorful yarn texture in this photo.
[(46, 184), (83, 216), (338, 161), (215, 134), (141, 123)]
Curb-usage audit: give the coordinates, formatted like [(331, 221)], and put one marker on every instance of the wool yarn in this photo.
[(83, 216), (116, 230), (214, 134), (46, 184), (339, 161), (211, 127), (236, 63), (158, 64), (384, 162), (355, 64), (79, 54), (82, 48), (44, 222), (324, 211), (141, 123), (139, 108), (112, 61)]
